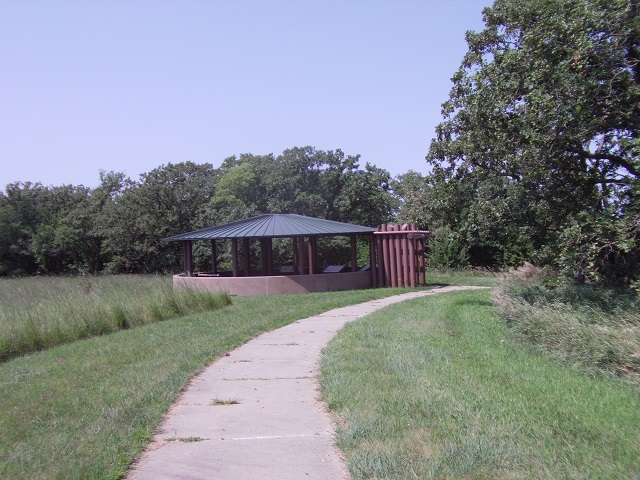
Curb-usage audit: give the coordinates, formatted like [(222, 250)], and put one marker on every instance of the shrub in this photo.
[(446, 250)]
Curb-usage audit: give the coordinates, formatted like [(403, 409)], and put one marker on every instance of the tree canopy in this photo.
[(540, 136), (118, 226)]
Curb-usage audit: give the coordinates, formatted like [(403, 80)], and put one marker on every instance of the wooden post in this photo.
[(421, 262), (214, 257), (380, 260), (312, 256), (301, 260), (234, 257), (398, 248), (263, 256), (295, 256), (246, 252), (392, 258), (412, 261), (372, 261), (354, 254), (269, 256), (187, 250), (406, 259)]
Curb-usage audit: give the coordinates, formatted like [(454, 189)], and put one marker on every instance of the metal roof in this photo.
[(274, 226)]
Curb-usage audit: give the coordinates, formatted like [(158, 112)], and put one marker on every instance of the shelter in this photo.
[(305, 275)]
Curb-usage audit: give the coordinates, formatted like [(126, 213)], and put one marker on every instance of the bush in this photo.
[(601, 249), (446, 250)]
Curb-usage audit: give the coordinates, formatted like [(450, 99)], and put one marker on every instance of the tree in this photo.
[(544, 115), (165, 201)]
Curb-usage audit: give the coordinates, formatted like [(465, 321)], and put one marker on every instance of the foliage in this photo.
[(118, 227), (167, 200), (541, 126), (597, 248), (446, 251)]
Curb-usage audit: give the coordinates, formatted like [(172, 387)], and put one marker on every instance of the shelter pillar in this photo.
[(214, 257), (354, 256), (313, 261), (412, 261), (421, 262), (379, 242), (373, 262), (234, 256), (187, 249), (246, 252), (264, 257), (301, 260), (398, 248), (294, 242), (393, 270), (269, 243), (406, 259)]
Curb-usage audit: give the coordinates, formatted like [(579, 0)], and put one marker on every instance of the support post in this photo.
[(421, 262), (269, 256), (406, 259), (381, 279), (412, 261), (234, 257), (246, 252), (372, 262), (398, 248), (263, 256), (187, 249), (354, 254), (214, 257), (301, 260), (393, 270), (312, 256), (294, 242)]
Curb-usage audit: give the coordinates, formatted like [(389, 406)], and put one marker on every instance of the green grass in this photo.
[(40, 312), (87, 409), (437, 388), (462, 277)]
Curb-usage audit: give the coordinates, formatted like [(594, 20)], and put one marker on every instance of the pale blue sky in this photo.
[(130, 85)]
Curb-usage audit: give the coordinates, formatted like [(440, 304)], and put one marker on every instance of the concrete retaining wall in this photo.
[(241, 286)]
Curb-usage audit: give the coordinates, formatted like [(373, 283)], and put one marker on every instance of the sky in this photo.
[(129, 85)]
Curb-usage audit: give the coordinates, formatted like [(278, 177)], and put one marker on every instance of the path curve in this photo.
[(255, 414)]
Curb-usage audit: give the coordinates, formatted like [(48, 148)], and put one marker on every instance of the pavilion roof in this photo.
[(274, 226)]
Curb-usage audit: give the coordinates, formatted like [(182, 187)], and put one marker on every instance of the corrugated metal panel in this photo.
[(274, 226)]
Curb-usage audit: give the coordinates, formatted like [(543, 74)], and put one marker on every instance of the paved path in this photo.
[(255, 413)]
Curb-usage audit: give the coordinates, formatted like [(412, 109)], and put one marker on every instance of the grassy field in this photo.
[(86, 409), (40, 312), (439, 388)]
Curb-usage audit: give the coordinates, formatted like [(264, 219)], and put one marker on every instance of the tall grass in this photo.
[(39, 313), (594, 328)]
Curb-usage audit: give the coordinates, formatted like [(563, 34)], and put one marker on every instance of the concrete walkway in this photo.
[(255, 413)]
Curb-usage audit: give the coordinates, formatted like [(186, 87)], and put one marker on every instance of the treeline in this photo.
[(537, 160), (118, 226), (538, 156)]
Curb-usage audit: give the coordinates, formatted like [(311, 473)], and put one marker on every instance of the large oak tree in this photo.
[(545, 111)]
